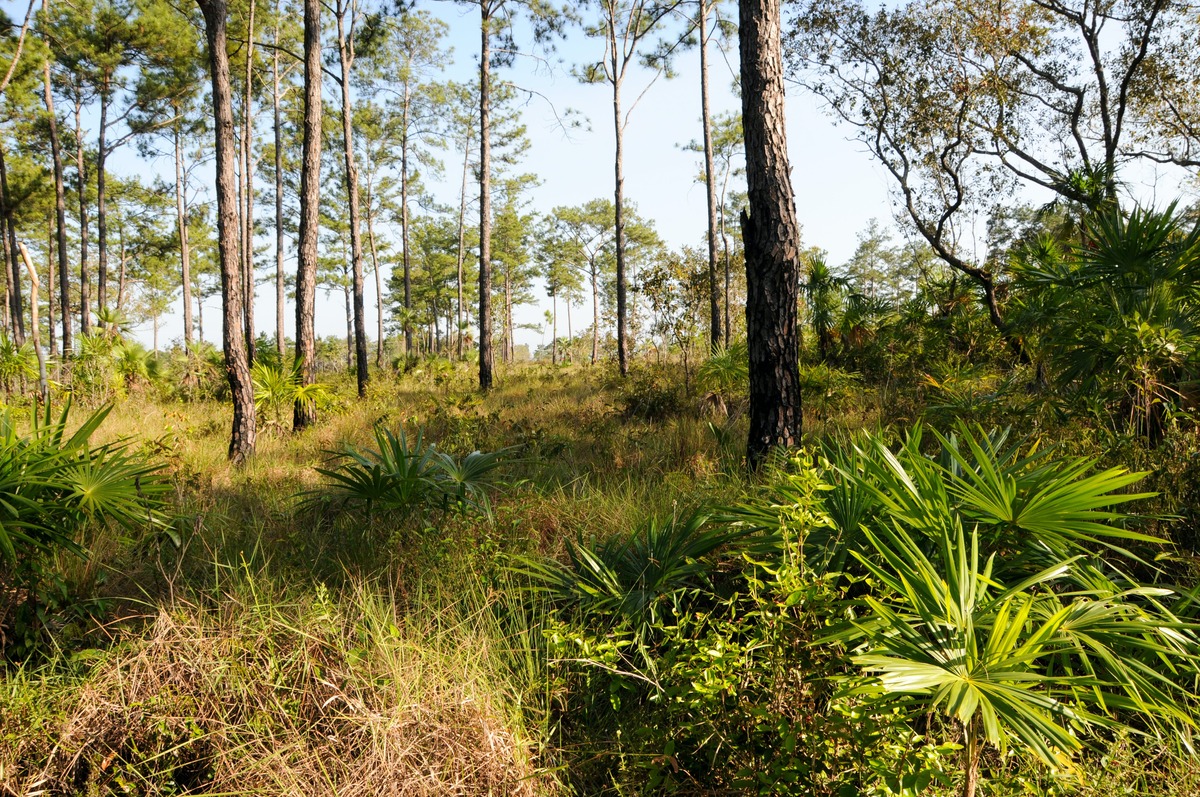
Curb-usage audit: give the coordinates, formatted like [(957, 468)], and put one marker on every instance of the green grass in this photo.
[(286, 648)]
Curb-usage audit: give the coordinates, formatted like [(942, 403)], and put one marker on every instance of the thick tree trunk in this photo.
[(356, 251), (237, 362), (280, 292), (248, 180), (486, 354), (85, 278), (310, 186), (710, 186), (619, 197), (16, 306), (185, 250), (772, 238), (60, 213)]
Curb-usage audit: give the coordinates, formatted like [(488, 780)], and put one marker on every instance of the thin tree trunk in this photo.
[(486, 355), (378, 285), (11, 286), (595, 314), (310, 186), (237, 361), (248, 179), (185, 253), (53, 342), (34, 285), (710, 184), (346, 52), (350, 347), (16, 307), (85, 298), (280, 292), (407, 259), (102, 204), (121, 274), (972, 753), (619, 198), (462, 239), (772, 238), (554, 328), (508, 324), (60, 210)]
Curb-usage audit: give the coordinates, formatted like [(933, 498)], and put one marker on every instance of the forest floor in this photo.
[(262, 645), (270, 641)]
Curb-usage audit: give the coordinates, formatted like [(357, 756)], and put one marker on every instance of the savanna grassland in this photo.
[(570, 585)]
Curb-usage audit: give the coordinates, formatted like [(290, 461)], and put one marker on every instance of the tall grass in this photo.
[(254, 687)]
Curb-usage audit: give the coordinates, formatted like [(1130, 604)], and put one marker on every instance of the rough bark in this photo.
[(346, 53), (237, 362), (710, 184), (486, 353), (60, 210), (772, 237), (248, 180), (310, 185)]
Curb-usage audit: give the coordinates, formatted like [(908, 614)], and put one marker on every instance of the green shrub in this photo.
[(403, 473), (54, 484)]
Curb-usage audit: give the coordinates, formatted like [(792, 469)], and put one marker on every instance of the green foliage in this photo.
[(54, 484), (651, 394), (403, 473), (727, 371), (278, 389), (17, 364), (1119, 311), (1031, 662)]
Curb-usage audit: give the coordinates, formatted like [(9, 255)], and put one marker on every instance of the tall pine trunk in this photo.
[(772, 238), (102, 202), (85, 278), (310, 186), (462, 238), (237, 361), (280, 292), (346, 53), (16, 305), (248, 180), (185, 250), (408, 331), (710, 185), (60, 211), (486, 354), (619, 198)]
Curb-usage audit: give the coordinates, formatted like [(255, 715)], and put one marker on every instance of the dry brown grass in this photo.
[(257, 696)]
